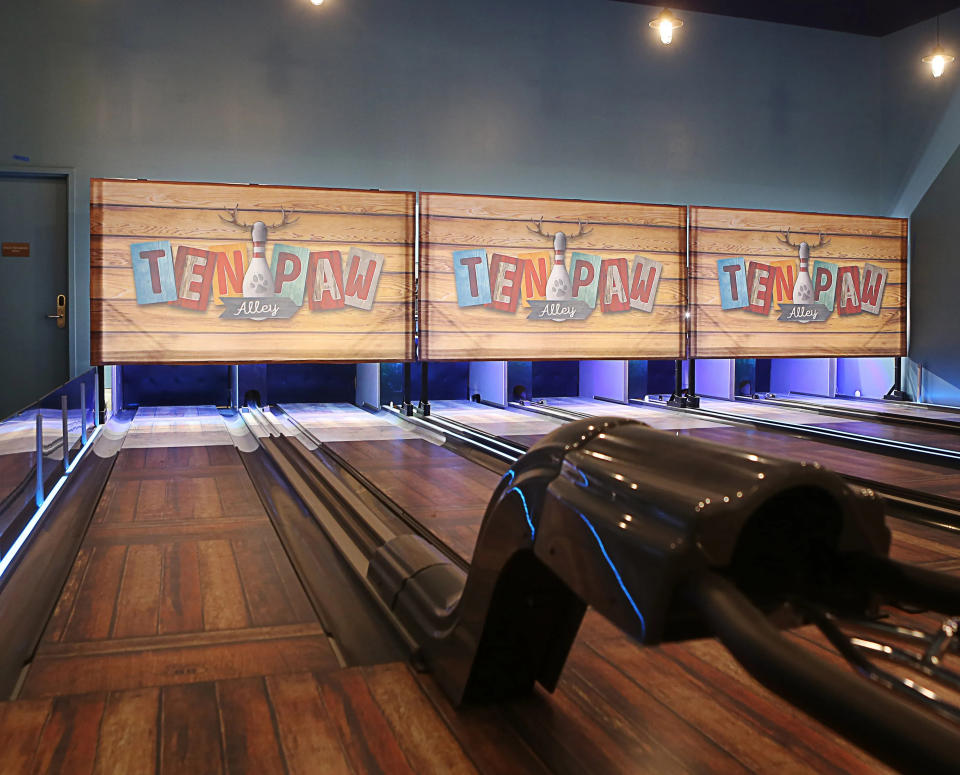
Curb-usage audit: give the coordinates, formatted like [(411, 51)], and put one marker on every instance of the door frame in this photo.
[(69, 174)]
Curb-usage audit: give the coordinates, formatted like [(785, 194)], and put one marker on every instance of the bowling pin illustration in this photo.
[(558, 283), (803, 287), (258, 281)]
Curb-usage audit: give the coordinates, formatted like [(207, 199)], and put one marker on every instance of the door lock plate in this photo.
[(61, 316)]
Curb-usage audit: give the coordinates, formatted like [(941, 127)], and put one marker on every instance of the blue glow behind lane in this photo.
[(616, 573), (526, 510)]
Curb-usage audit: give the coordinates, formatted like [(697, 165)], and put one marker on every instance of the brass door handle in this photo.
[(61, 316)]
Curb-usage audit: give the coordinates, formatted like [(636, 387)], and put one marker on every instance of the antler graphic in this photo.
[(539, 230), (581, 233), (784, 237), (284, 220), (233, 218)]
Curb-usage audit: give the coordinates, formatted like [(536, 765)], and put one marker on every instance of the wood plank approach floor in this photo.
[(182, 643)]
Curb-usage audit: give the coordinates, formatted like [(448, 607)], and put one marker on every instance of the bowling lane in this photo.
[(511, 424), (180, 577), (347, 422), (911, 543), (447, 494), (874, 428), (926, 478), (880, 407)]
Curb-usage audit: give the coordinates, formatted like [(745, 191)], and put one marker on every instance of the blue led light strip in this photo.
[(616, 573), (526, 509), (28, 529)]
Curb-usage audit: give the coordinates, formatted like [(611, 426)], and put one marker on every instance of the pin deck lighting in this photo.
[(938, 59), (665, 24)]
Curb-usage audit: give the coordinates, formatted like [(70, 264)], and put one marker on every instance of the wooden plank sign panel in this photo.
[(777, 284), (182, 272), (538, 279)]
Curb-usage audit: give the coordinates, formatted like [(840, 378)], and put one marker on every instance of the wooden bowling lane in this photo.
[(177, 426), (180, 605), (876, 428), (346, 422), (180, 579), (881, 407), (926, 478), (510, 424), (443, 491), (912, 543)]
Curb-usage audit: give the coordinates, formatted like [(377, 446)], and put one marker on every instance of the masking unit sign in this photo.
[(779, 285), (194, 272), (537, 279)]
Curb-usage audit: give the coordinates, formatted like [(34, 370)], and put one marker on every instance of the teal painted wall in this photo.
[(569, 98), (935, 278)]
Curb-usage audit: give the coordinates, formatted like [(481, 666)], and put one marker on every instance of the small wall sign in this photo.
[(15, 249)]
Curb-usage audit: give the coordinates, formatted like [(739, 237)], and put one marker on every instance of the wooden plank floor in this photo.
[(180, 645), (618, 709)]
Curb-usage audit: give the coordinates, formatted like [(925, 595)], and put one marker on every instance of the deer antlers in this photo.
[(784, 237), (581, 233), (539, 230), (284, 221)]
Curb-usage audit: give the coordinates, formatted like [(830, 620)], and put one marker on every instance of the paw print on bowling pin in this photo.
[(259, 284)]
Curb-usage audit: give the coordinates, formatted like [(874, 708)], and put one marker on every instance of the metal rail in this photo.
[(502, 449)]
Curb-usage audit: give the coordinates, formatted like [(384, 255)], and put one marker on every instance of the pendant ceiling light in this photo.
[(938, 59), (665, 24)]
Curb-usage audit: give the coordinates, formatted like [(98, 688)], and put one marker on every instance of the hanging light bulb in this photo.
[(665, 24), (317, 2), (938, 59)]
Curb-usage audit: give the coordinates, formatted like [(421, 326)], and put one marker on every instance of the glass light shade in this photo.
[(938, 59), (665, 24)]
